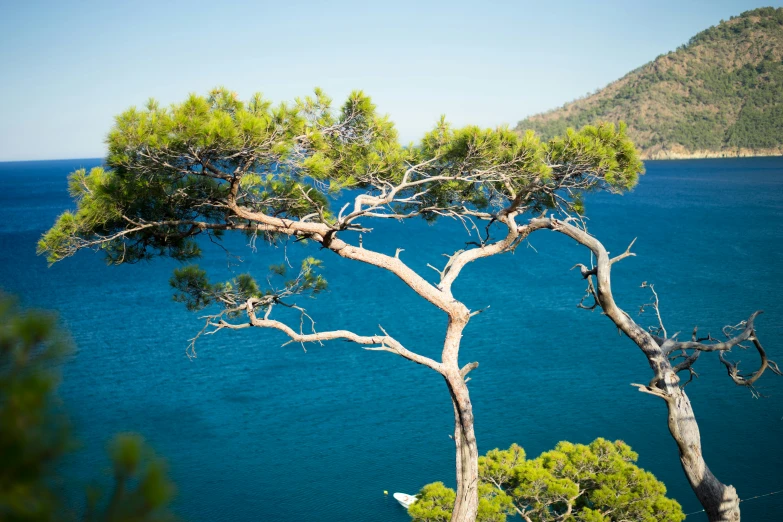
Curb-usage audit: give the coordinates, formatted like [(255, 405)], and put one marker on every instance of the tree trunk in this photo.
[(466, 503), (720, 501)]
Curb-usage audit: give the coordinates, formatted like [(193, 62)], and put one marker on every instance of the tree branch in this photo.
[(387, 342), (747, 333)]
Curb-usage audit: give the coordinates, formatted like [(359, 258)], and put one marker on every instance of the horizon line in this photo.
[(52, 159)]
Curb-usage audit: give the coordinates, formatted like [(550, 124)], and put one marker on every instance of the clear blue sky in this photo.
[(68, 67)]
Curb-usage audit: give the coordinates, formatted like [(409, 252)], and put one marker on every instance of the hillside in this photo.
[(719, 95)]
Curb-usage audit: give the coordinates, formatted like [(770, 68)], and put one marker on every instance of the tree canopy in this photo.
[(214, 163), (599, 482)]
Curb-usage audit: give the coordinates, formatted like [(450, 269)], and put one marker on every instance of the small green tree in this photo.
[(35, 435), (595, 483)]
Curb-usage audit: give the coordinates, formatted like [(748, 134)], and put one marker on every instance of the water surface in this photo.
[(256, 431)]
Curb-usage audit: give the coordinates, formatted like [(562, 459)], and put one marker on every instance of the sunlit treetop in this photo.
[(214, 164), (599, 482)]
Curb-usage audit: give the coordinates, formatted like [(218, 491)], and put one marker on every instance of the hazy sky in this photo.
[(68, 67)]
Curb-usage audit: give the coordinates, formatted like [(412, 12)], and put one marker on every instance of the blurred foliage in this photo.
[(35, 435), (720, 91), (35, 431), (599, 482)]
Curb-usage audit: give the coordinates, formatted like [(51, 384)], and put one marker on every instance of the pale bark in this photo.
[(466, 502), (720, 501)]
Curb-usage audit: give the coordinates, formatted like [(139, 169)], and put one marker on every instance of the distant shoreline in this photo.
[(678, 152), (659, 154)]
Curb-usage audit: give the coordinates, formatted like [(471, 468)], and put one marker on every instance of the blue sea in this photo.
[(256, 431)]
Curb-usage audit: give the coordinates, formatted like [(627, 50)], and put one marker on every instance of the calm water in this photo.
[(256, 431)]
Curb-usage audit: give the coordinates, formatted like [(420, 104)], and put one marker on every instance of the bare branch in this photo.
[(749, 379), (747, 333), (384, 342), (460, 259), (625, 254), (655, 305), (586, 272), (465, 370), (651, 390), (479, 311)]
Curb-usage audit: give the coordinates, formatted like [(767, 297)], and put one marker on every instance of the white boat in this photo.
[(404, 499)]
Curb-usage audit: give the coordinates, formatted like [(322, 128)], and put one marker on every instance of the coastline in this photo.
[(678, 152)]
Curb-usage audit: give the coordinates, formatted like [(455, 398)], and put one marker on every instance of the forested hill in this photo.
[(719, 95)]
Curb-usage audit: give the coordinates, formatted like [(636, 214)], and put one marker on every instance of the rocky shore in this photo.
[(679, 152)]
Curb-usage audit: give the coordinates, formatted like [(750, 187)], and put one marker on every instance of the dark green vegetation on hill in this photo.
[(721, 94)]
